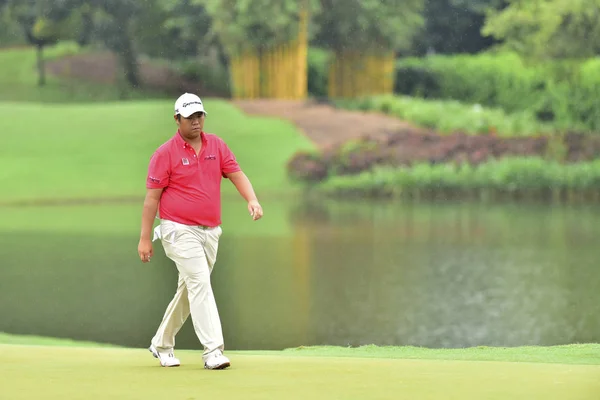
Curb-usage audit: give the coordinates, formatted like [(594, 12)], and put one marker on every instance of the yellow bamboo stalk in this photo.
[(256, 75), (344, 66), (264, 59), (354, 75), (248, 75), (339, 66), (391, 73), (351, 71), (294, 68), (340, 71), (262, 73), (292, 56), (244, 74), (378, 77), (267, 73), (304, 53), (239, 77), (302, 70), (280, 72), (272, 72), (360, 76), (347, 62), (233, 77), (283, 72), (374, 75), (298, 68), (286, 70), (273, 77)]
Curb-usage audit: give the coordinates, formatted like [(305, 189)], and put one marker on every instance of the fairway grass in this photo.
[(102, 373), (101, 151)]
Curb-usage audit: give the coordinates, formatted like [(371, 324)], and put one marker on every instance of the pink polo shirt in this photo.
[(192, 184)]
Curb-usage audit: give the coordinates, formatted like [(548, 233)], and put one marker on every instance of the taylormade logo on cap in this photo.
[(188, 104)]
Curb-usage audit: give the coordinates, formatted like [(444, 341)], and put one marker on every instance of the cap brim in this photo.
[(191, 110)]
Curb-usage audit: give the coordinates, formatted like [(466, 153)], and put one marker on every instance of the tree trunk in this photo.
[(127, 55), (41, 65), (129, 63)]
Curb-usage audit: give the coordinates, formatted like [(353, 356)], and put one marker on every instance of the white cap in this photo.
[(187, 104)]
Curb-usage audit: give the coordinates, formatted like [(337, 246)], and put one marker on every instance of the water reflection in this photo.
[(316, 272)]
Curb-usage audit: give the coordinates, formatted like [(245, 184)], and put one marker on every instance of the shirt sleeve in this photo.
[(228, 162), (158, 172)]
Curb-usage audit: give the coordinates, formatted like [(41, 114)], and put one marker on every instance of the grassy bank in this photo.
[(319, 372), (448, 116), (509, 177)]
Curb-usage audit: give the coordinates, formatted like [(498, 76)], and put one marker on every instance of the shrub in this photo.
[(508, 175), (494, 80), (449, 116), (213, 78), (563, 92)]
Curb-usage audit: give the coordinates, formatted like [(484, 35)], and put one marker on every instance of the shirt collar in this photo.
[(182, 143)]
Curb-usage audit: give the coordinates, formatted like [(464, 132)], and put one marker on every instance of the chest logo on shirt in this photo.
[(210, 157), (185, 161)]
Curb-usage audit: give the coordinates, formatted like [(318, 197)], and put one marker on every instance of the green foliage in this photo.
[(450, 116), (11, 33), (561, 92), (507, 175), (318, 71), (43, 21), (575, 100), (211, 78), (453, 26), (253, 24), (548, 28), (176, 29), (371, 25), (496, 80)]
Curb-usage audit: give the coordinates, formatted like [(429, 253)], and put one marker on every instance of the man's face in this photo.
[(192, 126)]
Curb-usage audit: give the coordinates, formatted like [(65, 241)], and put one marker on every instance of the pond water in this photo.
[(316, 273)]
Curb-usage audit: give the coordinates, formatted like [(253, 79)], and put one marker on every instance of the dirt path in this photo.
[(324, 124)]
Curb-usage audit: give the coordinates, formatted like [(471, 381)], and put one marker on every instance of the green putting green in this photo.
[(55, 372)]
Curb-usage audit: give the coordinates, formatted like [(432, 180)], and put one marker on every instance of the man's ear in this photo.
[(177, 119)]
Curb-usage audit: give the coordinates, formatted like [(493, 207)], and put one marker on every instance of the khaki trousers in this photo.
[(193, 249)]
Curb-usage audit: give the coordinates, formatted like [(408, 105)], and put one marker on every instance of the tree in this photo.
[(454, 26), (44, 22), (174, 29), (548, 29), (364, 36), (114, 21), (266, 42)]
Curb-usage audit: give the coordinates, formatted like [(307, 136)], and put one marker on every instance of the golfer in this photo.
[(184, 186)]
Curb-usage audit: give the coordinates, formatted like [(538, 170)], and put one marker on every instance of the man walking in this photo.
[(184, 186)]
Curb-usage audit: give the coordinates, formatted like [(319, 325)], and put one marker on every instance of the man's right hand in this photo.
[(145, 250)]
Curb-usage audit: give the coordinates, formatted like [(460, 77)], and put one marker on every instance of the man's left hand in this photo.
[(255, 210)]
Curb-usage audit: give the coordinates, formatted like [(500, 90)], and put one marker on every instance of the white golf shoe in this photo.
[(166, 359), (217, 361)]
